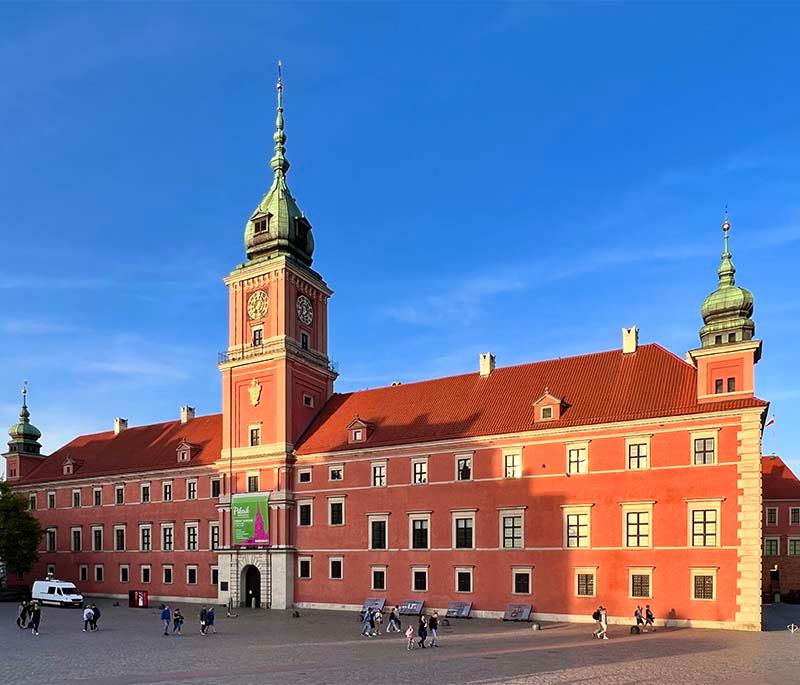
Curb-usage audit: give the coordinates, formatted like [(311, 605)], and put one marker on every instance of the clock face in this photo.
[(257, 305), (305, 310)]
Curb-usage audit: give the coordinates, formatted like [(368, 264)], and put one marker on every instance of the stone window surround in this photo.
[(330, 567), (504, 512), (644, 506), (300, 561), (464, 569), (585, 571), (577, 445), (777, 540), (456, 514), (337, 500), (377, 517), (703, 571), (767, 510), (463, 455), (379, 567), (418, 516), (640, 571), (702, 434), (577, 509), (709, 503), (518, 570), (310, 504), (418, 568), (638, 440)]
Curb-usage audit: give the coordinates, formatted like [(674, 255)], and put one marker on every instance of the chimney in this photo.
[(187, 413), (630, 339), (120, 425), (486, 363)]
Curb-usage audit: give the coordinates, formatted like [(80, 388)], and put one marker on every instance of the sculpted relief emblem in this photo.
[(255, 392)]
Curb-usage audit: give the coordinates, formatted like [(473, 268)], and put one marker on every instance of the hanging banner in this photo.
[(250, 519)]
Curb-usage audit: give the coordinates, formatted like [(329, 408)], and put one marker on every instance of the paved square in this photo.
[(325, 647)]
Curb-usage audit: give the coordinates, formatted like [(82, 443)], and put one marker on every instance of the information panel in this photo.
[(250, 519), (517, 612), (459, 609), (411, 607)]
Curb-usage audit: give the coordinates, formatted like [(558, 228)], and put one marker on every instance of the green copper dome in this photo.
[(277, 226), (24, 435), (726, 312)]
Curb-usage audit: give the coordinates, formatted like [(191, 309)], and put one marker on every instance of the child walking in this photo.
[(410, 637)]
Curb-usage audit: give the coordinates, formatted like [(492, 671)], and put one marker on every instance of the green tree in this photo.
[(20, 532)]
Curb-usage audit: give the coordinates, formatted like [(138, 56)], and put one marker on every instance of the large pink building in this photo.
[(625, 477)]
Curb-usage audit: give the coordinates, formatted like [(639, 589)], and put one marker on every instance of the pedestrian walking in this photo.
[(210, 618), (394, 621), (596, 618), (649, 619), (95, 616), (177, 622), (410, 637), (603, 623), (88, 618), (433, 626), (36, 617), (422, 631), (639, 618), (378, 616), (166, 616), (22, 614), (366, 628), (203, 620)]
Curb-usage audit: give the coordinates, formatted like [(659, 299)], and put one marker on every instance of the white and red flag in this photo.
[(770, 421)]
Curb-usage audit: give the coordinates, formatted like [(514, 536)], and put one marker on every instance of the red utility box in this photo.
[(137, 599)]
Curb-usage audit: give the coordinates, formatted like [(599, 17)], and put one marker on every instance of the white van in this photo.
[(57, 592)]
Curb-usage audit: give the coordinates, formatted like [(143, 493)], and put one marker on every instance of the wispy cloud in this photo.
[(33, 327)]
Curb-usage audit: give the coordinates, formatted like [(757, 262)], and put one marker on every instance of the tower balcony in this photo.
[(273, 349)]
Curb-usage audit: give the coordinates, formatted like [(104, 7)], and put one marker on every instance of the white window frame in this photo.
[(583, 465), (32, 503), (250, 428), (777, 540), (308, 400), (252, 474), (72, 501), (301, 471), (358, 435), (378, 567), (101, 568), (699, 571), (640, 571), (420, 516), (468, 514), (165, 526), (121, 527), (567, 510), (584, 571), (164, 484), (515, 455), (190, 567), (72, 538), (171, 568), (372, 467), (187, 526), (638, 440), (128, 569), (83, 573), (546, 408), (253, 329), (337, 500), (700, 504), (211, 482), (702, 435), (645, 507), (54, 531), (797, 509), (102, 538), (470, 571), (470, 456), (142, 569), (142, 486), (214, 526), (189, 483), (95, 491), (425, 476), (55, 502), (211, 571), (332, 468), (306, 503), (330, 567), (145, 526), (507, 513), (789, 542), (300, 561), (117, 489), (372, 518), (420, 569), (766, 517), (521, 570)]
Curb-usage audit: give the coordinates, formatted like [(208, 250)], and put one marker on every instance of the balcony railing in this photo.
[(252, 351)]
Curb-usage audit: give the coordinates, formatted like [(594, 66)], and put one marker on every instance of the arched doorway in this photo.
[(251, 577)]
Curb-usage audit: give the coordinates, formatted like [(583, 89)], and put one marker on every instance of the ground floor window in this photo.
[(304, 567), (704, 583), (98, 573), (771, 547), (191, 575), (793, 548), (378, 577), (521, 581), (145, 574), (640, 583), (214, 575), (464, 580), (124, 572), (336, 569), (166, 575), (83, 573), (51, 569), (419, 579), (585, 582)]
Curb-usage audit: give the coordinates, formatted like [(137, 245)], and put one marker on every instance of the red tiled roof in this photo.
[(595, 388), (778, 480), (142, 448)]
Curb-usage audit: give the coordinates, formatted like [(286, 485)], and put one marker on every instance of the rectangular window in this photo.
[(191, 489), (794, 516), (51, 500), (255, 436), (419, 579), (76, 539), (119, 539), (213, 534), (191, 538), (463, 580), (304, 476), (304, 514), (124, 573), (771, 547), (83, 573), (419, 533), (98, 573), (252, 483), (51, 570), (637, 455), (419, 471), (166, 575), (120, 494), (304, 567), (166, 491), (717, 386), (336, 512), (166, 538), (378, 475), (97, 539), (258, 337), (191, 575), (512, 531), (521, 581), (704, 528), (145, 539), (463, 532), (731, 385), (336, 473), (336, 569), (585, 584), (145, 493), (304, 340), (772, 516), (512, 464), (51, 540), (464, 467), (703, 586), (32, 502), (640, 585), (358, 435), (97, 494), (377, 533), (793, 548), (637, 529), (704, 451), (214, 575), (308, 401), (145, 573), (379, 578), (547, 413), (577, 460), (216, 487), (577, 530), (76, 498)]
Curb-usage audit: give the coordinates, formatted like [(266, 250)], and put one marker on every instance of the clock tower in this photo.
[(276, 375)]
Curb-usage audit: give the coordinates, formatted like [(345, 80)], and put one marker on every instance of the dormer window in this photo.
[(67, 469), (547, 407), (186, 451), (547, 412), (358, 431), (261, 224), (184, 455), (358, 435), (69, 466)]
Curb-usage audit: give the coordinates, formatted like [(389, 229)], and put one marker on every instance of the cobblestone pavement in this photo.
[(325, 647)]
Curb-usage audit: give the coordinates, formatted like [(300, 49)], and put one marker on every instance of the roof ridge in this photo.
[(136, 428)]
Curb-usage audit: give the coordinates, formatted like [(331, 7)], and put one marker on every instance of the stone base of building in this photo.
[(260, 578)]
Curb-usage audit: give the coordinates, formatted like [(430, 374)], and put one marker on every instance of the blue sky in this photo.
[(520, 178)]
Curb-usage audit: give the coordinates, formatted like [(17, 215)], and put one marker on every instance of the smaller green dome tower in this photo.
[(728, 310), (24, 435)]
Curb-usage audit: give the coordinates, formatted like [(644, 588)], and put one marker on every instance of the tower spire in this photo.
[(726, 269), (279, 163), (24, 414)]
